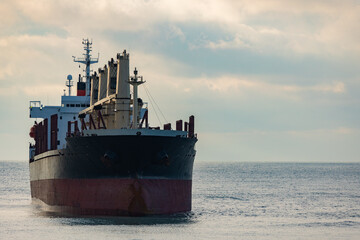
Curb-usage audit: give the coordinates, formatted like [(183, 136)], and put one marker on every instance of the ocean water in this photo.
[(230, 201)]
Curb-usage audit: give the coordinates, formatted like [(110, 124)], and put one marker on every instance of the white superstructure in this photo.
[(68, 111)]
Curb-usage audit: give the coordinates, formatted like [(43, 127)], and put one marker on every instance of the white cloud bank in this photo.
[(292, 27), (241, 84)]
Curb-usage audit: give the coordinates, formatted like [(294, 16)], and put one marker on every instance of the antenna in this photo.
[(87, 60), (69, 83)]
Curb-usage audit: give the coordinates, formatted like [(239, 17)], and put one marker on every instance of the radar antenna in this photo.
[(87, 60)]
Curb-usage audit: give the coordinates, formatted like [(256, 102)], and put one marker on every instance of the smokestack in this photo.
[(81, 88)]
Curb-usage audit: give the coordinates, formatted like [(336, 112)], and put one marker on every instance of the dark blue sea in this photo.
[(230, 201)]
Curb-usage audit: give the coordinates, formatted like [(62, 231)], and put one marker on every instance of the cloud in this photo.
[(237, 42), (8, 15), (159, 69), (301, 27), (336, 87), (232, 83), (176, 32), (297, 27), (33, 57), (6, 70)]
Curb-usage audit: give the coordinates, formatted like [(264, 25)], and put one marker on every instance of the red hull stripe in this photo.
[(114, 196)]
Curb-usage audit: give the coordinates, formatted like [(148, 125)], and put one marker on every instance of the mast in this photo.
[(87, 60), (135, 83)]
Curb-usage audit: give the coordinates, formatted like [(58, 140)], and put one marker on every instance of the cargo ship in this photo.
[(96, 153)]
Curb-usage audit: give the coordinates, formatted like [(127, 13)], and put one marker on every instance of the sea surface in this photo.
[(230, 201)]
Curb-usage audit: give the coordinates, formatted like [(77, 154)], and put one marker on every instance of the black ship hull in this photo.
[(116, 175)]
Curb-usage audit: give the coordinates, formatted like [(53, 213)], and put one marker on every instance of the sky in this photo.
[(267, 80)]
